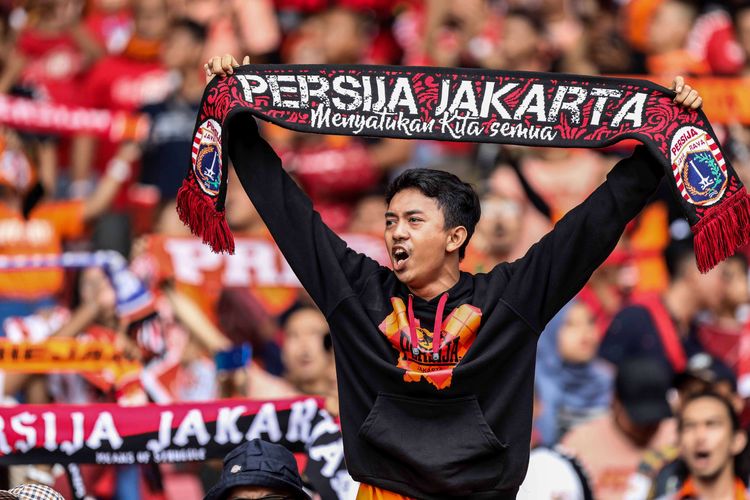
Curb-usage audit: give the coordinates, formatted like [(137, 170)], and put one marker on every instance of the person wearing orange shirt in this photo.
[(41, 229)]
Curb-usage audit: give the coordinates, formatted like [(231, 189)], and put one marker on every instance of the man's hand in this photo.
[(222, 66), (686, 96)]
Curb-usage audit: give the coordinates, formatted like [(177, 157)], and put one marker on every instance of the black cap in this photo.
[(259, 463), (641, 386), (708, 369)]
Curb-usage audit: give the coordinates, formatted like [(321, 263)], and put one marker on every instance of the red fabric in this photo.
[(118, 83), (668, 335), (107, 28), (53, 64)]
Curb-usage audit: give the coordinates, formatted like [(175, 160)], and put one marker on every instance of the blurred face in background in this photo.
[(520, 42), (151, 19), (304, 354), (670, 26), (708, 443), (368, 216), (578, 339), (500, 225), (240, 211), (182, 51), (734, 277), (95, 287), (343, 37), (709, 288)]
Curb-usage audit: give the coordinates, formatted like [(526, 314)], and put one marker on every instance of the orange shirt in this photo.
[(367, 492), (49, 224)]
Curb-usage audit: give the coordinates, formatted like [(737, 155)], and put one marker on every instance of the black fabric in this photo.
[(495, 375), (632, 333), (259, 463)]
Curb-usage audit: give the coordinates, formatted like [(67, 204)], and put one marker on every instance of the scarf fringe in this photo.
[(722, 230), (199, 214)]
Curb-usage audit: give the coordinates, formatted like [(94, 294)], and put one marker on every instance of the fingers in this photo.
[(686, 96), (221, 66), (246, 60), (677, 84)]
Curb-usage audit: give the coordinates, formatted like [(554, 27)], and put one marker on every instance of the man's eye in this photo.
[(414, 219), (388, 223)]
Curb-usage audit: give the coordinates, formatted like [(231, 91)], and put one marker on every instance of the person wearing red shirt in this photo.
[(124, 82)]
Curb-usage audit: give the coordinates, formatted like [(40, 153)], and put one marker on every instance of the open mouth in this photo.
[(400, 256), (701, 458)]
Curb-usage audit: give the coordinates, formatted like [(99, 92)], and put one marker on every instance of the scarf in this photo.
[(562, 385), (451, 104)]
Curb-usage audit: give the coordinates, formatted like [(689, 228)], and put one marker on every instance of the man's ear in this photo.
[(739, 441), (456, 237)]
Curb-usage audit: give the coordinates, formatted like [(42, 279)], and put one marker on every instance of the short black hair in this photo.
[(733, 416), (678, 255), (196, 30), (457, 199)]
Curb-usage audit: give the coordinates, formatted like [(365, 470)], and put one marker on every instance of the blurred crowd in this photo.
[(621, 370)]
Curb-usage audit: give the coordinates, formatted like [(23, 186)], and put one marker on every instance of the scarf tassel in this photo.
[(722, 230), (200, 215)]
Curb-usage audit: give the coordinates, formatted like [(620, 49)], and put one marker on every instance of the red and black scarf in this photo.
[(534, 109)]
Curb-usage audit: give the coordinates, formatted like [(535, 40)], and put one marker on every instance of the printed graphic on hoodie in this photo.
[(458, 332)]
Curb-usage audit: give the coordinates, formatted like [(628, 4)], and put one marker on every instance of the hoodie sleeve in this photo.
[(555, 269), (328, 269)]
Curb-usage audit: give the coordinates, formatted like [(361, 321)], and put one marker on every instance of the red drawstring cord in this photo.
[(412, 328), (437, 331)]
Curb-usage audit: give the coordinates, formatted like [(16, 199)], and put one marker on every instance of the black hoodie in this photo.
[(458, 425)]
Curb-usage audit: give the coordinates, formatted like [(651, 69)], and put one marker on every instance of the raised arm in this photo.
[(326, 267), (560, 264)]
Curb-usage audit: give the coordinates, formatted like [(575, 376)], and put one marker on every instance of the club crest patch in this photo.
[(207, 157), (698, 166)]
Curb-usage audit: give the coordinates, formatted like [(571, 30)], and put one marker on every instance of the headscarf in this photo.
[(580, 388)]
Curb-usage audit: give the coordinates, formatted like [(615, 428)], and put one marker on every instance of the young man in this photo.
[(443, 414), (710, 438)]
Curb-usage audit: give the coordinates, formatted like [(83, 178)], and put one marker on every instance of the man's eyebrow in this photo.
[(408, 212)]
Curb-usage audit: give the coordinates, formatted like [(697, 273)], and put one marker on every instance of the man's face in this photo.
[(500, 225), (707, 442), (303, 352), (578, 338), (254, 493), (151, 19), (416, 237), (181, 50), (240, 211)]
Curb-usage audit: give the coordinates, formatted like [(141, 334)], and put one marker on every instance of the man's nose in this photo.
[(400, 232)]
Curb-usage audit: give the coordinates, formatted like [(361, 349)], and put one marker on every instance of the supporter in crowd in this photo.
[(110, 22), (258, 469), (660, 467), (664, 327), (552, 473), (145, 56), (123, 82), (721, 330), (307, 355), (497, 234), (40, 229), (572, 385), (611, 446), (711, 440), (667, 39), (247, 27), (167, 149)]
